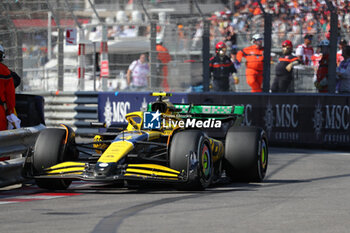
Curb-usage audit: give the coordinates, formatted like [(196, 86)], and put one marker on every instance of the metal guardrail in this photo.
[(15, 143), (76, 109), (11, 172)]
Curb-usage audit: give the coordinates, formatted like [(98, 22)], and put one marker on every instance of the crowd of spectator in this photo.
[(291, 20), (306, 24)]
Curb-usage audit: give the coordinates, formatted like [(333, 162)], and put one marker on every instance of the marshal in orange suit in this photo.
[(254, 63)]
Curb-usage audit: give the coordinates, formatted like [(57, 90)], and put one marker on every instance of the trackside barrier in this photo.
[(14, 143), (11, 172), (76, 109), (299, 119), (305, 120), (113, 106)]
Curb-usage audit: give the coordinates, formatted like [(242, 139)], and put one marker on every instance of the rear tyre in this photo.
[(246, 154), (182, 145), (50, 149)]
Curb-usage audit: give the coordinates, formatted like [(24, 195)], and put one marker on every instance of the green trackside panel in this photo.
[(238, 110)]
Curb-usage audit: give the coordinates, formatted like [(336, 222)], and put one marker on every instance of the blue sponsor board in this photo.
[(320, 120), (112, 107)]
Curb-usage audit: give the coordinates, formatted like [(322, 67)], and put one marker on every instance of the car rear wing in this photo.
[(222, 112), (210, 109)]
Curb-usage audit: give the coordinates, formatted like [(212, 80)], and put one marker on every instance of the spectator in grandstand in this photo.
[(254, 62), (305, 50), (321, 82), (281, 26), (231, 37), (343, 72), (316, 57), (7, 93), (138, 73), (221, 68), (342, 44), (234, 58), (163, 58), (197, 38), (284, 68), (181, 36)]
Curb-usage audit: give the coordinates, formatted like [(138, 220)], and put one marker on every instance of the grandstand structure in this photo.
[(34, 35)]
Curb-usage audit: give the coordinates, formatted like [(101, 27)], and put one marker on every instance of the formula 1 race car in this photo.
[(169, 143)]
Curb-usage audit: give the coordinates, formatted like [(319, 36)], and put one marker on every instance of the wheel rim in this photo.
[(206, 162), (263, 155)]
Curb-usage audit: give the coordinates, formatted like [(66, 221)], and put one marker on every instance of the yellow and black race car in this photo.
[(169, 143)]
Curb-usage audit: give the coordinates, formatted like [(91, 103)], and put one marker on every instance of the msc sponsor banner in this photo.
[(113, 106), (305, 119)]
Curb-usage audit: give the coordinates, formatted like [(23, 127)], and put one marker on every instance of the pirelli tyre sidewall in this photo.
[(51, 148), (192, 147), (246, 154)]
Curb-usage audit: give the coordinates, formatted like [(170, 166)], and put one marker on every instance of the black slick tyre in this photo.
[(50, 149), (184, 144), (246, 154)]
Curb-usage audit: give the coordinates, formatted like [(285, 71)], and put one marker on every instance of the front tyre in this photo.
[(53, 146), (191, 148), (246, 154)]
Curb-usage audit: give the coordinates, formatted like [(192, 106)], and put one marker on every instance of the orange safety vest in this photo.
[(163, 54), (164, 57), (254, 56)]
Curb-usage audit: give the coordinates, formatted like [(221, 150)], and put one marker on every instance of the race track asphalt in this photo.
[(305, 191)]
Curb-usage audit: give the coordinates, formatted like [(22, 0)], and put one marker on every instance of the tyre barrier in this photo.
[(75, 109), (14, 144)]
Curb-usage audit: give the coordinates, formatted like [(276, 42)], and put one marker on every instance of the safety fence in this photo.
[(41, 40)]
